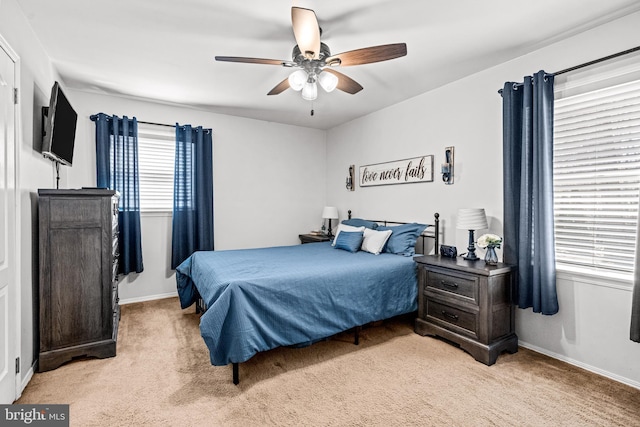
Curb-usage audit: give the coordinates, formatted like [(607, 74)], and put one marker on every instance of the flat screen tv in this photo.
[(59, 128)]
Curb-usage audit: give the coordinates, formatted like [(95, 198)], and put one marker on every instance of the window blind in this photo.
[(156, 154), (597, 177)]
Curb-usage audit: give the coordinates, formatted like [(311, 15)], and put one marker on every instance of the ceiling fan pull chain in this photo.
[(312, 112)]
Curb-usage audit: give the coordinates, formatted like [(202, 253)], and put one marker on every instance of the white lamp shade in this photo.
[(330, 212), (310, 91), (328, 81), (472, 219), (297, 79)]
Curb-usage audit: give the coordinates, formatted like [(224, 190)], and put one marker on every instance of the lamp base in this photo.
[(471, 256), (471, 249)]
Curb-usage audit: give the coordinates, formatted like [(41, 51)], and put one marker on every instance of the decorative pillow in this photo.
[(349, 240), (343, 227), (374, 241), (403, 239), (358, 222)]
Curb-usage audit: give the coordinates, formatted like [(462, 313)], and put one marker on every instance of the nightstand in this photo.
[(313, 238), (467, 303)]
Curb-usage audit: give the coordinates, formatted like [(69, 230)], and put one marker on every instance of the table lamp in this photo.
[(471, 219), (330, 212)]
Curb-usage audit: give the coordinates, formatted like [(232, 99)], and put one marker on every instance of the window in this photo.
[(597, 169), (156, 154)]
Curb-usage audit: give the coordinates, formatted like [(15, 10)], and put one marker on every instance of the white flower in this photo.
[(487, 240)]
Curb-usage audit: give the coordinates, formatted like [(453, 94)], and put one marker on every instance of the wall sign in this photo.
[(417, 169)]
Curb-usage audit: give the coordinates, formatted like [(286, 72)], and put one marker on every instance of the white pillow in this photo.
[(374, 240), (343, 227)]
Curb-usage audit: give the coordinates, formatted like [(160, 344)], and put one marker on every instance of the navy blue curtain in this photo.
[(528, 190), (192, 193), (117, 169)]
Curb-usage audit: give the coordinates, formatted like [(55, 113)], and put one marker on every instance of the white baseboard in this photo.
[(148, 298), (25, 380), (612, 376)]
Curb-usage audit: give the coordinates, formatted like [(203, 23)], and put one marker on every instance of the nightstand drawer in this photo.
[(459, 284), (453, 316)]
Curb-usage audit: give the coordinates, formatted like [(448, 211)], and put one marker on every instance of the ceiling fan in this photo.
[(315, 62)]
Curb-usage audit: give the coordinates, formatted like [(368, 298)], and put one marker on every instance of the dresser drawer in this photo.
[(459, 284), (452, 316)]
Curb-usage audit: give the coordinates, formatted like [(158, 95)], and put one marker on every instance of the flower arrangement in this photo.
[(489, 241)]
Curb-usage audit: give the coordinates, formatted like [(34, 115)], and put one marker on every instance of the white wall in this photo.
[(36, 78), (269, 182), (592, 328)]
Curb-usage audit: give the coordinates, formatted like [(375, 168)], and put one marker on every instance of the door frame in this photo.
[(19, 383)]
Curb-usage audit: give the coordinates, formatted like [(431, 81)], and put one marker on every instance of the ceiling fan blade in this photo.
[(252, 60), (368, 55), (345, 83), (306, 31), (280, 87)]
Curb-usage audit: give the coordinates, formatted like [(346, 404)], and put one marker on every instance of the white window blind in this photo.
[(156, 154), (597, 177)]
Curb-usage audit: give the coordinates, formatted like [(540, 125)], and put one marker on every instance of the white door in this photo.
[(8, 285)]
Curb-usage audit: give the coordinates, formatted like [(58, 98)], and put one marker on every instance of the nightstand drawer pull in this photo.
[(450, 315), (449, 285)]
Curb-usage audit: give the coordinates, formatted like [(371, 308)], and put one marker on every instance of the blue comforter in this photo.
[(260, 299)]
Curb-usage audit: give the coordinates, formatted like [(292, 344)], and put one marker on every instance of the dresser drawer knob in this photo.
[(449, 315), (450, 285)]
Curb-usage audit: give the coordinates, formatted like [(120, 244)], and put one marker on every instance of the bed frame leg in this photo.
[(236, 375), (356, 338)]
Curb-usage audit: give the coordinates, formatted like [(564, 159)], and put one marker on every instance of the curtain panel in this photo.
[(192, 193), (117, 169), (528, 190)]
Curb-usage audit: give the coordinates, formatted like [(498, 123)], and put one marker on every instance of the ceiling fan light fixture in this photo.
[(297, 80), (328, 81), (310, 91)]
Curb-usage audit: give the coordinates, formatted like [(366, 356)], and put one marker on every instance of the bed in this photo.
[(255, 300)]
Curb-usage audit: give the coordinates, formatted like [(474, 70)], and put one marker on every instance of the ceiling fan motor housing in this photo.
[(298, 57)]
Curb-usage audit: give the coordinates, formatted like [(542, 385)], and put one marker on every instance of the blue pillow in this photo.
[(358, 222), (349, 240), (403, 238)]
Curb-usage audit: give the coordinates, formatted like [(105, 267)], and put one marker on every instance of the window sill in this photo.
[(156, 213), (610, 279)]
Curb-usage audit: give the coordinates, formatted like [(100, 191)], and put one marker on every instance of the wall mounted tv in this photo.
[(59, 128)]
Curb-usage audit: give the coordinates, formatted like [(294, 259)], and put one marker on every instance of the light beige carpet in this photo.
[(162, 377)]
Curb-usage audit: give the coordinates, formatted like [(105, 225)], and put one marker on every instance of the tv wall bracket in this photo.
[(45, 115)]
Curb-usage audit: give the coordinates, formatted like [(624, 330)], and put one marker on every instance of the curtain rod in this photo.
[(595, 61), (157, 124), (170, 126)]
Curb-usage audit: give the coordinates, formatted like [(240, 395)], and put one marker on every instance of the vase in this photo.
[(490, 257)]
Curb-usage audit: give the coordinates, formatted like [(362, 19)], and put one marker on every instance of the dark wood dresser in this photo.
[(467, 303), (78, 296)]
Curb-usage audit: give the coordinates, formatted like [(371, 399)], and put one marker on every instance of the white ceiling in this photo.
[(164, 50)]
